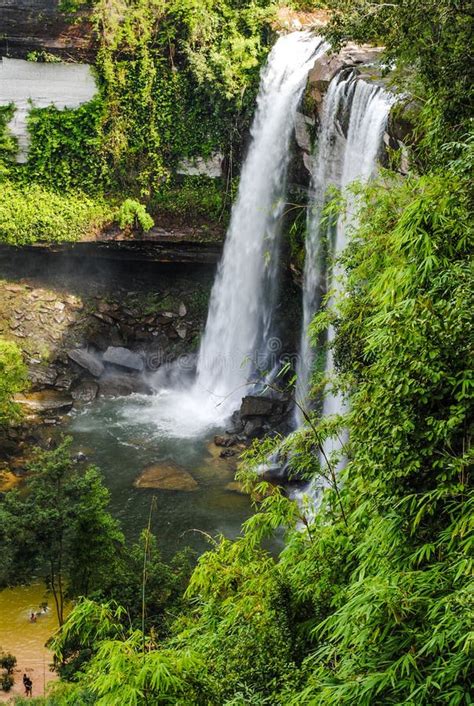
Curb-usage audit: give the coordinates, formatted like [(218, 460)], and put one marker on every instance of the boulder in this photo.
[(235, 487), (45, 402), (225, 441), (121, 385), (87, 360), (227, 453), (166, 476), (254, 428), (256, 406), (124, 358)]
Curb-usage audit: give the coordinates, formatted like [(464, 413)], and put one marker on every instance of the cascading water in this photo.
[(242, 305), (326, 171), (339, 162), (240, 318)]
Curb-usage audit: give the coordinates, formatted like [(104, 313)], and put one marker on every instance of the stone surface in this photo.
[(210, 167), (254, 428), (88, 361), (45, 402), (302, 131), (253, 406), (38, 25), (327, 66), (166, 476), (123, 357)]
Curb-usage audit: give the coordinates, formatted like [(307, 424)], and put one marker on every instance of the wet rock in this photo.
[(45, 402), (166, 476), (123, 357), (86, 391), (182, 310), (87, 360), (65, 380), (302, 131), (235, 487), (237, 425), (256, 406), (225, 441), (254, 428), (121, 385), (103, 317), (227, 453)]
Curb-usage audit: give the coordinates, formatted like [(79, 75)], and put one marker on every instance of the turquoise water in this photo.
[(121, 438)]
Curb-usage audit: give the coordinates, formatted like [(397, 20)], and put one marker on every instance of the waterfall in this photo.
[(338, 162), (240, 319), (237, 342)]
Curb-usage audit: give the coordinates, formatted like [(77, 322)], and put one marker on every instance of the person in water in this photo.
[(28, 684), (33, 618)]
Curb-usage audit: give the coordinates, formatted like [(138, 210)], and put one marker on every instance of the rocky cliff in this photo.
[(38, 25)]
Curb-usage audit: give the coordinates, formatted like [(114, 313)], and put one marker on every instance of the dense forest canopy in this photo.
[(371, 600)]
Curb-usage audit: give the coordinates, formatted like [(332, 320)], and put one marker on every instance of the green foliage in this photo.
[(7, 662), (62, 526), (8, 144), (43, 57), (13, 379), (65, 147), (133, 214), (370, 600), (176, 80), (32, 213), (197, 197)]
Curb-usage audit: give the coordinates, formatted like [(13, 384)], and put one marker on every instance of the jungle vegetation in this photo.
[(371, 600)]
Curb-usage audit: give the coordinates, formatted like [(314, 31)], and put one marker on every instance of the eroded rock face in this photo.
[(166, 476), (254, 406), (328, 65), (45, 402), (38, 25)]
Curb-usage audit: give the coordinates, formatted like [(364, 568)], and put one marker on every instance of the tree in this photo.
[(60, 525)]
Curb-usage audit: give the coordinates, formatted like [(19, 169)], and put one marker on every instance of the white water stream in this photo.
[(234, 348), (339, 162)]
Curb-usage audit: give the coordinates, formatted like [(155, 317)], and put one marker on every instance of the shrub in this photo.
[(133, 214), (32, 213)]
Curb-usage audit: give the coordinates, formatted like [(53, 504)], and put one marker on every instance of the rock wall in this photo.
[(38, 25), (366, 61)]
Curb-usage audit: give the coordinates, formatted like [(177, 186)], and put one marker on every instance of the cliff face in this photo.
[(365, 61), (38, 25)]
